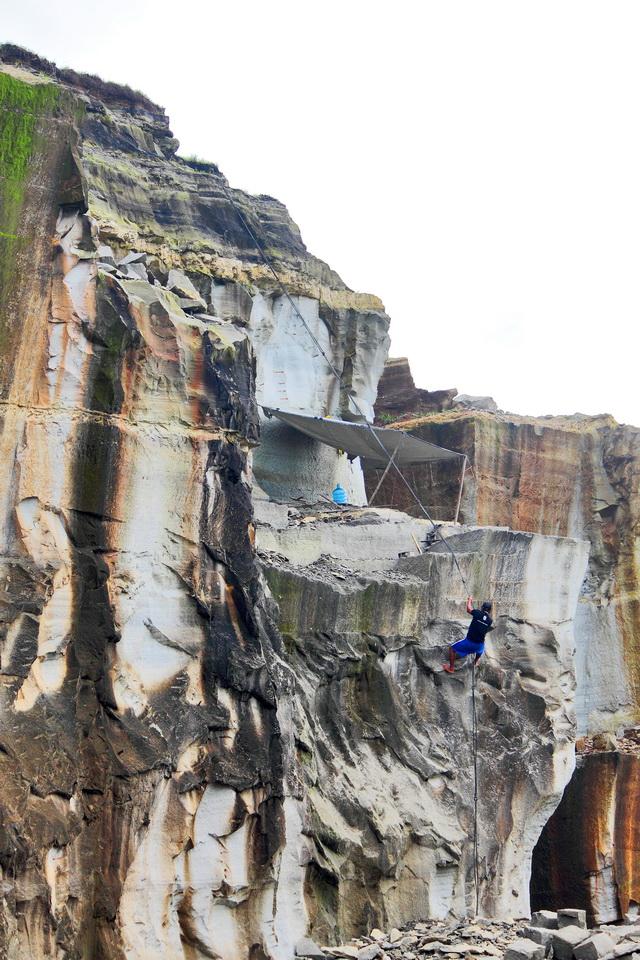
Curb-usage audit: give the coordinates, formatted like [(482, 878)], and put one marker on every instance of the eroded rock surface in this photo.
[(588, 851), (383, 736), (563, 476), (191, 769), (576, 476)]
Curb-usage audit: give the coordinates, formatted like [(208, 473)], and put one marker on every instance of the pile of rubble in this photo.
[(625, 740), (137, 265), (563, 935)]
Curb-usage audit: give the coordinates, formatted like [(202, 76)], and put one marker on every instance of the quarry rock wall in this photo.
[(576, 476), (208, 751), (561, 476), (588, 851), (384, 737)]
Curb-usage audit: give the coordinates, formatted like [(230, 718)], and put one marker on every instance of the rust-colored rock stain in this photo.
[(587, 854)]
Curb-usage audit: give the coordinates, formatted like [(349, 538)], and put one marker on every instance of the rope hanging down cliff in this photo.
[(474, 746), (391, 463)]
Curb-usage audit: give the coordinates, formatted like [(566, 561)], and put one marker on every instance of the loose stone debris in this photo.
[(563, 935)]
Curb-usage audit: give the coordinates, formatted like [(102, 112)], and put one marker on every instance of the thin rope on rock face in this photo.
[(269, 264), (474, 737)]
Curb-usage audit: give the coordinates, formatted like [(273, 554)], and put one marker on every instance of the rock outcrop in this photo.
[(144, 807), (570, 476), (588, 852), (206, 751), (384, 737), (560, 476), (398, 394)]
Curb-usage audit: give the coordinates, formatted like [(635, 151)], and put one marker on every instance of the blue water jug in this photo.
[(338, 495)]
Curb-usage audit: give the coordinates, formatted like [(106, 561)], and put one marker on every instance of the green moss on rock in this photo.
[(21, 107)]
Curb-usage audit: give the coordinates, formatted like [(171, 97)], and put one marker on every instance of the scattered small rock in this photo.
[(369, 953), (309, 948)]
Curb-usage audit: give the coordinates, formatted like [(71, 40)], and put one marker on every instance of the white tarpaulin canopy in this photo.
[(357, 439)]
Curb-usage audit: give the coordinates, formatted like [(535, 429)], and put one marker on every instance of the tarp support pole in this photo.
[(381, 480), (464, 467)]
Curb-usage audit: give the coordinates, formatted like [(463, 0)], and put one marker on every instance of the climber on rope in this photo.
[(479, 627)]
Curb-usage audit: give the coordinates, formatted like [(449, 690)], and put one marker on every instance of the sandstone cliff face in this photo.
[(588, 852), (206, 752), (577, 476), (142, 761), (562, 476), (383, 736), (143, 804)]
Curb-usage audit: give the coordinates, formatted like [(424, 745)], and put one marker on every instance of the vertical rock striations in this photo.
[(206, 753), (383, 736), (144, 808), (560, 476), (569, 476), (588, 852)]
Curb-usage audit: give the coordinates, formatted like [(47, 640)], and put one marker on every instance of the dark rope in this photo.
[(269, 264), (475, 788)]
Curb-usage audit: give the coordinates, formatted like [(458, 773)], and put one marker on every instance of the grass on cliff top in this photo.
[(21, 105)]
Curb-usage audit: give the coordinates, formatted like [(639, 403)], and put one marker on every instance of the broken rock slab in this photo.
[(566, 940), (309, 948), (545, 918), (595, 947), (105, 254), (134, 257), (469, 402), (541, 935), (624, 949), (620, 932), (524, 950), (180, 284), (370, 952)]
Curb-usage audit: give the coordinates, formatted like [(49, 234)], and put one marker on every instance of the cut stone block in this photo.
[(566, 940), (524, 950), (542, 935), (572, 918), (594, 947), (545, 918)]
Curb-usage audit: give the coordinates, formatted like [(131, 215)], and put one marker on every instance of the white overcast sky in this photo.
[(475, 163)]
